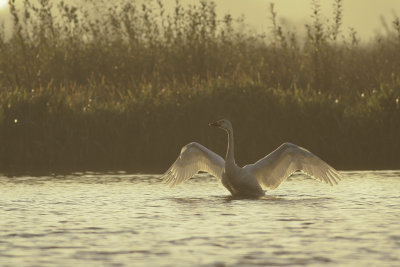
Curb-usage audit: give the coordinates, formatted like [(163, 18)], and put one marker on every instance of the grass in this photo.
[(125, 87)]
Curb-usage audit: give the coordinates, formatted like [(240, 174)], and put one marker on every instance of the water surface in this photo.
[(119, 219)]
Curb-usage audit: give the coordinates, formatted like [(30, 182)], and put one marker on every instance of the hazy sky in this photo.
[(362, 15)]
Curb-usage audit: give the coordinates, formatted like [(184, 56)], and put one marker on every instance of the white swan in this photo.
[(268, 172)]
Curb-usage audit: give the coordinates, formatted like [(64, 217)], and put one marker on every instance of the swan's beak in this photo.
[(217, 124)]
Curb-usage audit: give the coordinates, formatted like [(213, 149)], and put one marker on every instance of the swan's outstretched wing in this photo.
[(273, 169), (193, 158)]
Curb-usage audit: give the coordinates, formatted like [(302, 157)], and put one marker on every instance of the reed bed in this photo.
[(124, 87)]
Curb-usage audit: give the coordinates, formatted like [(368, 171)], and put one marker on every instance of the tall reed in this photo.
[(127, 86), (127, 45)]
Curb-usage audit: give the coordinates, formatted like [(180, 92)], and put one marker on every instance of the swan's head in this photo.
[(224, 124)]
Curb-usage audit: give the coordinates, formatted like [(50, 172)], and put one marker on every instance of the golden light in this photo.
[(3, 3)]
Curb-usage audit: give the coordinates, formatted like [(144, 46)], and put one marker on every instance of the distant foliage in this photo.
[(107, 86), (128, 46)]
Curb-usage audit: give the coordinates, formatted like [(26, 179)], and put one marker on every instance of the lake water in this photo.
[(119, 219)]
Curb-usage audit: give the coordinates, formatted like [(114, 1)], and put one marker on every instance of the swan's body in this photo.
[(269, 172)]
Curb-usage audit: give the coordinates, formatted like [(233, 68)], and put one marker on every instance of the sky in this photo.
[(362, 15)]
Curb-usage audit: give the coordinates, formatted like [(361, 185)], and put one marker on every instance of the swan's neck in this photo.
[(229, 159)]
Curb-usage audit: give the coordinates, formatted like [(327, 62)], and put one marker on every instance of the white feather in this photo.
[(268, 172), (193, 158), (273, 169)]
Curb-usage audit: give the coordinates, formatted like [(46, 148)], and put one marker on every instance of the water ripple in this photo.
[(92, 219)]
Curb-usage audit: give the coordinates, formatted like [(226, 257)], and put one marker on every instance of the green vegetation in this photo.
[(125, 87)]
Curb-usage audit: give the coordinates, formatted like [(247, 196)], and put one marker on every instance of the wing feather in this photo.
[(273, 169), (193, 158)]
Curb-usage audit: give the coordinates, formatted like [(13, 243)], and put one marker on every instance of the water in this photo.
[(133, 220)]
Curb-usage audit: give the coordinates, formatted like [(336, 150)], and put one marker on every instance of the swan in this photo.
[(269, 172)]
